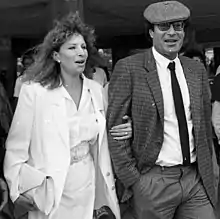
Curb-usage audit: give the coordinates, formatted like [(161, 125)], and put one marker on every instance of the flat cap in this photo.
[(166, 11)]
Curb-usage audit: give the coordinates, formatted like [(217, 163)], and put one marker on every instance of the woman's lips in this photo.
[(80, 62)]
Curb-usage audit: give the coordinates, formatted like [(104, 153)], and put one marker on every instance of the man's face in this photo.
[(168, 38)]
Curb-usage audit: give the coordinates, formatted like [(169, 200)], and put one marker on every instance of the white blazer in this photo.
[(38, 144)]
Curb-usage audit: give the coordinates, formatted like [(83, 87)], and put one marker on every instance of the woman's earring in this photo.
[(58, 61)]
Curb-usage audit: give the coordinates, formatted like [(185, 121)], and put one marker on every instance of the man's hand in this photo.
[(26, 203), (4, 193)]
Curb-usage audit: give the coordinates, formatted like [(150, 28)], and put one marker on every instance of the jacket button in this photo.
[(107, 174), (113, 187)]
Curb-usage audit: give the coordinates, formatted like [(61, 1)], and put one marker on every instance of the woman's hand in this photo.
[(4, 193), (123, 131), (26, 203)]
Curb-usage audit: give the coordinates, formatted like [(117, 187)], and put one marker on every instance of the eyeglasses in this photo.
[(177, 26)]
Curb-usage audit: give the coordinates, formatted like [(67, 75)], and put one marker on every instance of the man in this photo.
[(167, 168)]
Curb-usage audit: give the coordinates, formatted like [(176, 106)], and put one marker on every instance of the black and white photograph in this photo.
[(109, 109)]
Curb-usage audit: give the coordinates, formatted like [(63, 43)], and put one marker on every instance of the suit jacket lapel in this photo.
[(153, 82), (194, 91)]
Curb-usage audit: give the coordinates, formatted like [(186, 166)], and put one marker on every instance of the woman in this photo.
[(57, 163)]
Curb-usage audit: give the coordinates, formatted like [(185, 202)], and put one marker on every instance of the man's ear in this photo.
[(151, 32), (56, 56)]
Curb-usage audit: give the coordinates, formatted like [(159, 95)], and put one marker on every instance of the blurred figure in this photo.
[(5, 121), (5, 114), (23, 63), (3, 73), (191, 48), (97, 69), (26, 61), (196, 54)]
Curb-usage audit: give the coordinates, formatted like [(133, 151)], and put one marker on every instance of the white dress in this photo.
[(79, 190)]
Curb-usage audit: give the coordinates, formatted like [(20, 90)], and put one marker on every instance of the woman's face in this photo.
[(72, 55)]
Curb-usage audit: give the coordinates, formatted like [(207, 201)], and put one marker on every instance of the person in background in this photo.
[(196, 54), (3, 73), (5, 121), (199, 56), (57, 162), (96, 68), (24, 62), (167, 167)]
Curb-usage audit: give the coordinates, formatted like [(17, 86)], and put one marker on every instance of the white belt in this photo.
[(79, 152)]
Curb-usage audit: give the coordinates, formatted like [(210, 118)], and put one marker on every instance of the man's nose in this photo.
[(171, 31)]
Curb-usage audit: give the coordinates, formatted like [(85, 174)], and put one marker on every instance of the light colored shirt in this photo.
[(171, 153), (83, 125), (216, 118)]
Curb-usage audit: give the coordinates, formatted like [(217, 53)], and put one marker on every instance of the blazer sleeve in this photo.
[(119, 104), (19, 137)]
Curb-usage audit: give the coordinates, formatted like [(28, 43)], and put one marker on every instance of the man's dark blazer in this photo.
[(135, 90)]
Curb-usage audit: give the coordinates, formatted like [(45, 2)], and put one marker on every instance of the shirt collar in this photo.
[(161, 60), (85, 87)]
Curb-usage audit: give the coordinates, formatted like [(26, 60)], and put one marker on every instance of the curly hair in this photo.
[(45, 70)]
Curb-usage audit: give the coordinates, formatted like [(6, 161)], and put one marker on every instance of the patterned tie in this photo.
[(180, 114)]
